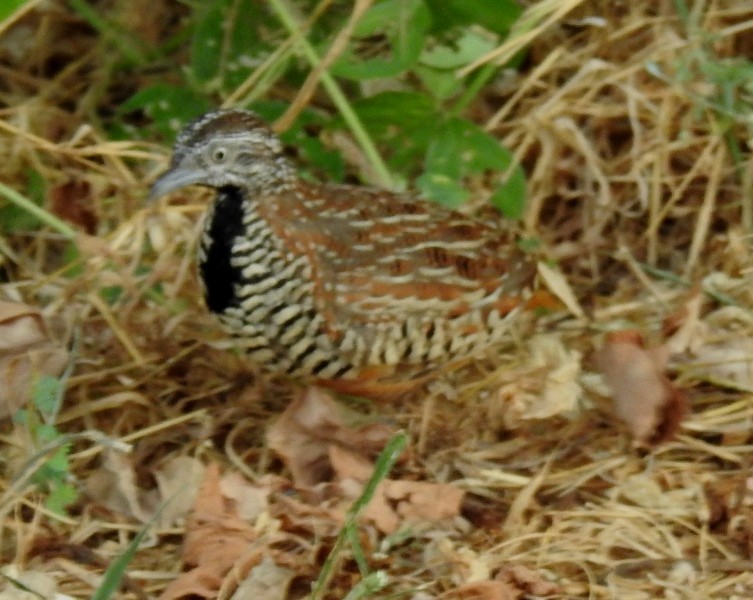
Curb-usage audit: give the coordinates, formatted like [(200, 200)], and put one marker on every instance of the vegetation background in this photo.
[(612, 136)]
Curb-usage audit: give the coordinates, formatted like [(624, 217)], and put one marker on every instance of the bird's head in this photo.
[(227, 147)]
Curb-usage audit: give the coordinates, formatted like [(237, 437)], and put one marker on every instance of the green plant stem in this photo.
[(738, 159), (480, 79), (116, 571), (337, 95), (20, 586), (368, 586), (682, 11), (384, 464), (50, 220), (720, 297)]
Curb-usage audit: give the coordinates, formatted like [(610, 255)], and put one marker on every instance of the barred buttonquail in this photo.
[(335, 282)]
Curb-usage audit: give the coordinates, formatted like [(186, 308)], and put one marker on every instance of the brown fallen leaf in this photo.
[(38, 584), (644, 397), (250, 500), (73, 202), (483, 590), (178, 480), (312, 514), (511, 582), (114, 486), (311, 424), (266, 581), (545, 385), (217, 541), (527, 580), (395, 502), (26, 353)]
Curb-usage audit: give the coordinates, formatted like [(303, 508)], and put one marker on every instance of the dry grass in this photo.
[(625, 171)]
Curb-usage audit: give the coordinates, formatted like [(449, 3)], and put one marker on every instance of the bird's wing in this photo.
[(379, 258)]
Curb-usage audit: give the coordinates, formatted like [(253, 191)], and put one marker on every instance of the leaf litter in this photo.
[(625, 173), (27, 352)]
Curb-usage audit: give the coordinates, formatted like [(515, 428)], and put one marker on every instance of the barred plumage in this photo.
[(332, 281)]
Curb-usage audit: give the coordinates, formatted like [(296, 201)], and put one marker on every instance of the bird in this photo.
[(360, 289)]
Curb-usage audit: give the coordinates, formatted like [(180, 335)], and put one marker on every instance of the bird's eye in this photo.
[(219, 154)]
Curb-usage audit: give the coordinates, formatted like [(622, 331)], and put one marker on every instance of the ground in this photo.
[(599, 452)]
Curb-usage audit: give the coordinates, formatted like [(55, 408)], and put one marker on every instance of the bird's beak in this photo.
[(172, 180)]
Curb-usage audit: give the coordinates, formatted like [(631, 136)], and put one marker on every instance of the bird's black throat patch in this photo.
[(219, 275)]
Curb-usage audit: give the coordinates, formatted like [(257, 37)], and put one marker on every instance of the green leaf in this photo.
[(13, 217), (170, 107), (529, 244), (441, 83), (36, 186), (72, 258), (206, 46), (402, 122), (247, 46), (8, 7), (495, 15), (406, 111), (400, 25), (60, 497), (460, 148), (510, 197), (45, 433), (442, 189), (21, 417), (58, 464), (458, 52), (228, 42), (398, 118), (111, 293), (318, 156), (444, 151), (45, 394)]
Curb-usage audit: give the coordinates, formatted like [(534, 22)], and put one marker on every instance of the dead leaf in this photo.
[(483, 590), (217, 541), (22, 326), (311, 514), (548, 387), (731, 361), (250, 500), (315, 443), (527, 580), (348, 465), (511, 582), (311, 424), (39, 584), (558, 285), (415, 501), (266, 581), (396, 502), (114, 486), (644, 397), (713, 346), (72, 201), (178, 480), (26, 353)]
